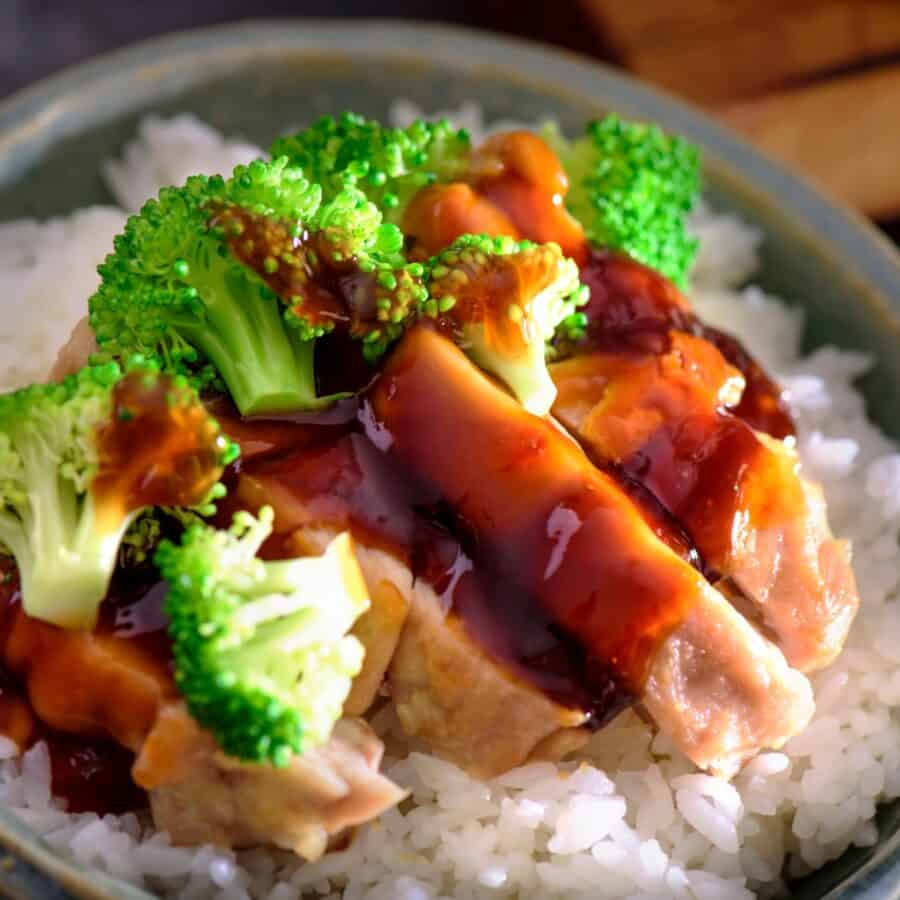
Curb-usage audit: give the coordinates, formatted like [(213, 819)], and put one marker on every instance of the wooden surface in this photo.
[(719, 50), (844, 133), (816, 83)]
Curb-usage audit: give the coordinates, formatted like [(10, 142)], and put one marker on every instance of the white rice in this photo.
[(631, 818), (47, 271), (168, 151)]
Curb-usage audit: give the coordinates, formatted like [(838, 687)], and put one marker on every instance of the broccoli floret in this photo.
[(262, 654), (504, 300), (79, 461), (632, 187), (225, 279), (388, 164), (364, 258)]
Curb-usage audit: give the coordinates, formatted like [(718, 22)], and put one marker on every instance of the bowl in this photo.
[(254, 79)]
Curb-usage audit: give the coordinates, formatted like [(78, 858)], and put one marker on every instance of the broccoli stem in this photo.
[(66, 565), (266, 367), (525, 374)]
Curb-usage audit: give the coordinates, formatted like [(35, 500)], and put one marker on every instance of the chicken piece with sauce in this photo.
[(117, 683), (447, 689), (664, 406), (642, 620), (200, 795)]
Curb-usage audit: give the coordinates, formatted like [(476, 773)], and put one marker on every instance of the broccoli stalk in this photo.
[(504, 300), (242, 331), (389, 165), (80, 460), (262, 654), (632, 187)]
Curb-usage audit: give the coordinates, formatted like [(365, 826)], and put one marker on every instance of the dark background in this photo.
[(38, 37)]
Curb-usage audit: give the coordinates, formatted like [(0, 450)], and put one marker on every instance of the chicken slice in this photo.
[(552, 522), (85, 683), (738, 493), (723, 692), (449, 693), (446, 690), (634, 309), (198, 795)]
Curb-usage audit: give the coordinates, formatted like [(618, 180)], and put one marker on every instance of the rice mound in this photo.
[(630, 817)]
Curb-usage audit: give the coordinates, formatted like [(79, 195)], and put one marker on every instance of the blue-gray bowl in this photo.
[(252, 79)]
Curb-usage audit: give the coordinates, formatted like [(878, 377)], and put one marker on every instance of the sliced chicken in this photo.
[(449, 693), (663, 419), (551, 522), (199, 795), (447, 690), (514, 186), (634, 309), (83, 682)]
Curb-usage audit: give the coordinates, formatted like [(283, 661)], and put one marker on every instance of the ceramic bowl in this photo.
[(256, 79)]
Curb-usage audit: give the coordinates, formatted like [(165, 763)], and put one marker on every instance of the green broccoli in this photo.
[(504, 300), (80, 460), (262, 654), (632, 187), (222, 279), (388, 164), (382, 292)]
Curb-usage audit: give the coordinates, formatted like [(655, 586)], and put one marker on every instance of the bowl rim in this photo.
[(95, 90)]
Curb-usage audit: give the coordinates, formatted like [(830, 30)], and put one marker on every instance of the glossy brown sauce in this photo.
[(153, 451), (314, 275), (634, 309), (437, 215), (354, 482), (134, 611), (494, 292), (519, 174), (647, 390), (555, 533), (515, 186), (90, 773), (291, 264)]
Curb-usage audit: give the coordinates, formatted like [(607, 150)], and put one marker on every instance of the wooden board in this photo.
[(843, 133), (718, 50)]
